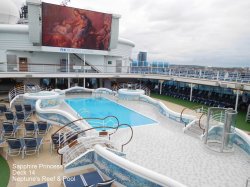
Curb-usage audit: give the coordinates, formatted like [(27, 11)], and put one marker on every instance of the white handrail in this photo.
[(83, 142), (190, 124)]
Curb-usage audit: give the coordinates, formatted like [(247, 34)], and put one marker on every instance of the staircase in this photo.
[(79, 61), (248, 114), (76, 143), (194, 130), (81, 146)]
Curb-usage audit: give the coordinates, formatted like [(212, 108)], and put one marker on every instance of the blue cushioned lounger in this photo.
[(18, 108), (10, 116), (41, 185), (77, 182), (30, 128), (92, 178)]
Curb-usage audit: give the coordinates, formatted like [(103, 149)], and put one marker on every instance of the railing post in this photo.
[(218, 74)]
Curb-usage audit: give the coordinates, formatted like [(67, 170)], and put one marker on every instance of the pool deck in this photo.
[(164, 148)]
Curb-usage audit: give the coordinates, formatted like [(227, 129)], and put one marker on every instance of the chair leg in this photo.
[(22, 154)]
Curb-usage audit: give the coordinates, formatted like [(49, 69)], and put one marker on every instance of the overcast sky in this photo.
[(203, 32)]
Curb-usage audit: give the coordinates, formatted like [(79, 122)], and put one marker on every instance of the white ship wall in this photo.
[(14, 39)]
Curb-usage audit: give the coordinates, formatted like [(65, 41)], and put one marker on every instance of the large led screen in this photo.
[(75, 28)]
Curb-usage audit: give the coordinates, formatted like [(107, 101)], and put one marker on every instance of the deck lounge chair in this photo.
[(41, 185), (30, 128), (95, 179), (20, 116), (88, 179), (32, 145), (18, 107), (9, 129), (15, 147), (42, 127), (3, 108), (28, 110), (92, 178), (78, 181), (10, 116)]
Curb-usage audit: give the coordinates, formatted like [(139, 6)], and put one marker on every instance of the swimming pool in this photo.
[(100, 108)]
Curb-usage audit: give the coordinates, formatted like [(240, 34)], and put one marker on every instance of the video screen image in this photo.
[(75, 28)]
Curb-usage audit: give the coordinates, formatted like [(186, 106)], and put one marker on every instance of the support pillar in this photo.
[(68, 82), (191, 92), (55, 83), (68, 64), (100, 83), (84, 64), (68, 70), (237, 100), (161, 82)]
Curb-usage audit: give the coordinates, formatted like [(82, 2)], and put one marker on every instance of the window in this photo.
[(109, 62)]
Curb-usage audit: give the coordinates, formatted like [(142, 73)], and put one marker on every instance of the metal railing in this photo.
[(74, 134), (232, 75), (24, 89), (196, 109), (81, 119)]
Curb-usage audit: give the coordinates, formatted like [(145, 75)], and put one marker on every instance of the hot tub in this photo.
[(129, 94), (49, 98)]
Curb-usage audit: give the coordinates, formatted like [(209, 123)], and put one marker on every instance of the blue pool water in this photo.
[(100, 108)]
